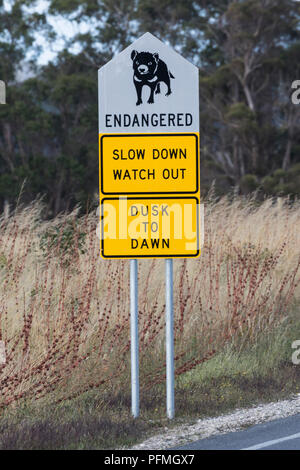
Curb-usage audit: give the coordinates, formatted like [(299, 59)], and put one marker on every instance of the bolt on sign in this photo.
[(149, 162)]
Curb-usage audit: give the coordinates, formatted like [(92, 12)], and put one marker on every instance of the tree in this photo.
[(251, 36), (49, 136), (18, 27), (112, 26)]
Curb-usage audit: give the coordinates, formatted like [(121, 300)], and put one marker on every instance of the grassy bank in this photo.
[(232, 379), (64, 321)]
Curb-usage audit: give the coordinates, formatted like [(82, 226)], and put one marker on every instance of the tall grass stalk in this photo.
[(64, 312)]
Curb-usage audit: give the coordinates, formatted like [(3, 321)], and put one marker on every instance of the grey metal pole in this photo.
[(134, 337), (169, 339)]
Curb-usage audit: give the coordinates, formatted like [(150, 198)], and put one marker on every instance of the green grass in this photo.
[(237, 377)]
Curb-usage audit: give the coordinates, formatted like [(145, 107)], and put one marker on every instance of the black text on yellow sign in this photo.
[(149, 163), (150, 227)]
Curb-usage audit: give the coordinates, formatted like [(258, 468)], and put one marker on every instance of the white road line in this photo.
[(275, 441)]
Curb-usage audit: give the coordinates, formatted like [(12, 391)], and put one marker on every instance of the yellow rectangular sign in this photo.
[(150, 227), (149, 163)]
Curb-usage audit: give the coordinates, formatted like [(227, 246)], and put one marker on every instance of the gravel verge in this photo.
[(241, 418)]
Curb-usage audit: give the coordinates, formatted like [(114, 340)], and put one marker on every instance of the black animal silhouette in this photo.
[(149, 70)]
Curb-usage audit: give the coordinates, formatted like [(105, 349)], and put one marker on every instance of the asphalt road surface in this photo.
[(280, 434)]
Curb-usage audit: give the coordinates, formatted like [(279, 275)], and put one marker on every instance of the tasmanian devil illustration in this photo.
[(149, 70)]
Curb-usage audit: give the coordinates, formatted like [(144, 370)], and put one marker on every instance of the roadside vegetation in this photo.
[(64, 318)]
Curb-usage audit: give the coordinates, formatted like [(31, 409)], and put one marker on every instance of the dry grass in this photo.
[(64, 312)]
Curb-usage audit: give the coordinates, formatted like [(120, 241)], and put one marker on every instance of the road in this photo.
[(280, 434)]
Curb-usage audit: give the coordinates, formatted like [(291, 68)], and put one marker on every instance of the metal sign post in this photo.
[(169, 339), (134, 338)]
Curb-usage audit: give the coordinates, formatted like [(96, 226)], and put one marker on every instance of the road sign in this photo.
[(162, 227), (149, 153)]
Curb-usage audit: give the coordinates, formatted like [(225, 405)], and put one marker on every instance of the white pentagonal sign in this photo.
[(148, 87)]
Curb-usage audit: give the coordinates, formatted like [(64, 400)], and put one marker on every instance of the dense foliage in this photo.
[(248, 53)]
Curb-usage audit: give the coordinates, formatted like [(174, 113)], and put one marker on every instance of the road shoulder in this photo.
[(235, 421)]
